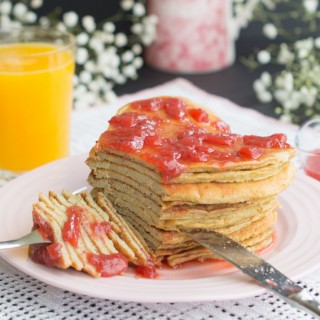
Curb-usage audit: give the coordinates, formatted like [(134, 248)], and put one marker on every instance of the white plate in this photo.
[(296, 251)]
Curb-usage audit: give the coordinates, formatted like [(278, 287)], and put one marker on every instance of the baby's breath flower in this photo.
[(264, 57), (81, 55), (266, 78), (127, 56), (89, 23), (109, 27), (30, 17), (137, 28), (310, 5), (136, 49), (285, 55), (139, 9), (127, 4), (44, 21), (75, 80), (138, 62), (60, 26), (82, 38), (270, 31), (120, 40), (5, 7), (70, 19), (110, 96), (19, 10), (36, 4), (85, 76), (5, 21), (90, 66)]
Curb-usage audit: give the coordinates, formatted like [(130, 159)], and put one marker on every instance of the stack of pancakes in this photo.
[(229, 191), (101, 245)]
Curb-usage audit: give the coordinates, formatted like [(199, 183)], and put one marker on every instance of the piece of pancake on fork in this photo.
[(166, 163), (87, 234)]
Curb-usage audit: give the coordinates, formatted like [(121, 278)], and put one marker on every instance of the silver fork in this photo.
[(33, 237), (30, 238)]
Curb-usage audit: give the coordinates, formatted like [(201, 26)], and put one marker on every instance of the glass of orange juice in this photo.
[(36, 71)]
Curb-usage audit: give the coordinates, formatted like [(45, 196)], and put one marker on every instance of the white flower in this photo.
[(270, 4), (127, 56), (70, 19), (30, 17), (44, 21), (288, 81), (36, 4), (90, 66), (114, 61), (85, 76), (108, 38), (281, 95), (138, 62), (89, 23), (120, 40), (137, 28), (304, 47), (265, 96), (120, 79), (94, 86), (270, 31), (308, 95), (75, 80), (19, 10), (81, 55), (285, 56), (82, 39), (286, 118), (317, 42), (147, 39), (110, 96), (264, 57), (137, 49), (138, 9), (109, 27), (258, 86), (16, 24), (96, 44), (266, 78), (127, 4), (310, 5), (5, 22), (60, 26), (5, 7)]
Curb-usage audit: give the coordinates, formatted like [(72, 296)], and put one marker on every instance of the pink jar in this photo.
[(193, 36)]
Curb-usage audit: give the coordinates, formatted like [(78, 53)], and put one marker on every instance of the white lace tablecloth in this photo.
[(23, 298)]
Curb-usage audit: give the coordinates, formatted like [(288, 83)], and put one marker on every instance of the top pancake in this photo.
[(164, 136)]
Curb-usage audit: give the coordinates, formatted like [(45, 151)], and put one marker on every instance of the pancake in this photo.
[(167, 164), (87, 235)]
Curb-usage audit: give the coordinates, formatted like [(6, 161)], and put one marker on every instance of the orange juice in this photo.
[(35, 104)]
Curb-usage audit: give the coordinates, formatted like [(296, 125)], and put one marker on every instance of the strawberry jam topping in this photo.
[(108, 265), (170, 135), (101, 228), (71, 228), (199, 115), (46, 254), (42, 226)]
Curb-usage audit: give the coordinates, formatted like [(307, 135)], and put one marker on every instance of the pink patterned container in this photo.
[(193, 36)]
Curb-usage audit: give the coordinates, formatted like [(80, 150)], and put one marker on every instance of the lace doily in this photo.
[(23, 298)]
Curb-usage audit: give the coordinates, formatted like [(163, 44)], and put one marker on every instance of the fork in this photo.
[(33, 237)]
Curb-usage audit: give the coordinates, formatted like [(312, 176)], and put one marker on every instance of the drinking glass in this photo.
[(308, 146), (36, 71)]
